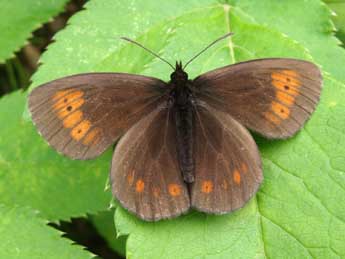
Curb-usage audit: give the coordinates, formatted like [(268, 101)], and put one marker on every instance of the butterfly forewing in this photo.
[(145, 173), (81, 115), (227, 163), (273, 97)]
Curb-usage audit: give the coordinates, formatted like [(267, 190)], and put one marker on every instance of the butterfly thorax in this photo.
[(181, 96)]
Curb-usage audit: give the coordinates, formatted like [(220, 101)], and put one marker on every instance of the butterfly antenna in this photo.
[(150, 51), (207, 47)]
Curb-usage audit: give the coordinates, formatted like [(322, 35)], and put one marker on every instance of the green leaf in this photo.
[(298, 212), (194, 235), (338, 18), (33, 174), (18, 18), (25, 235), (104, 223)]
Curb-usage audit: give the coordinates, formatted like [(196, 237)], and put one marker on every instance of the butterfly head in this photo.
[(179, 75)]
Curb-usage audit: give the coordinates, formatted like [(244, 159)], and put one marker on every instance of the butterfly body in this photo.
[(184, 143), (182, 101)]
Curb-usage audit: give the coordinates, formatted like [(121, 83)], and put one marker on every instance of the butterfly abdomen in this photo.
[(184, 128), (183, 114)]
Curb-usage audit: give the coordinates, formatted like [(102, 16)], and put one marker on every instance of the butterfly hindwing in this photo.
[(81, 115), (227, 162), (145, 173), (273, 97)]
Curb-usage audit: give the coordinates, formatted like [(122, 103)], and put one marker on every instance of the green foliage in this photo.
[(18, 18), (298, 212), (25, 235), (338, 7)]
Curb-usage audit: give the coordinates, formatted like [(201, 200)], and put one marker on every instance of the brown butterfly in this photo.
[(183, 144)]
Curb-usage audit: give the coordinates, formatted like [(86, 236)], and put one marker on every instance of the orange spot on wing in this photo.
[(289, 77), (92, 137), (286, 87), (80, 130), (130, 177), (237, 176), (139, 186), (61, 94), (285, 98), (244, 168), (287, 83), (174, 189), (156, 192), (290, 73), (72, 119), (281, 110), (70, 107), (64, 100), (272, 118), (207, 187)]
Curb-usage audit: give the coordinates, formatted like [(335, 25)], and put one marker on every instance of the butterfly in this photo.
[(182, 144)]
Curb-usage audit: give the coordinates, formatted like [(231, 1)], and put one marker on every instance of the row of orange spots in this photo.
[(287, 86), (173, 188), (207, 185), (67, 104)]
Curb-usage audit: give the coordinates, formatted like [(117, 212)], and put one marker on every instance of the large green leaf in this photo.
[(25, 235), (298, 212), (18, 18), (32, 174)]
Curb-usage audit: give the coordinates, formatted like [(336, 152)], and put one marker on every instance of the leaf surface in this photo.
[(19, 18), (23, 234)]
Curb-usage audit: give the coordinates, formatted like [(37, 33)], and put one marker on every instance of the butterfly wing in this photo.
[(227, 162), (273, 97), (145, 174), (81, 115)]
